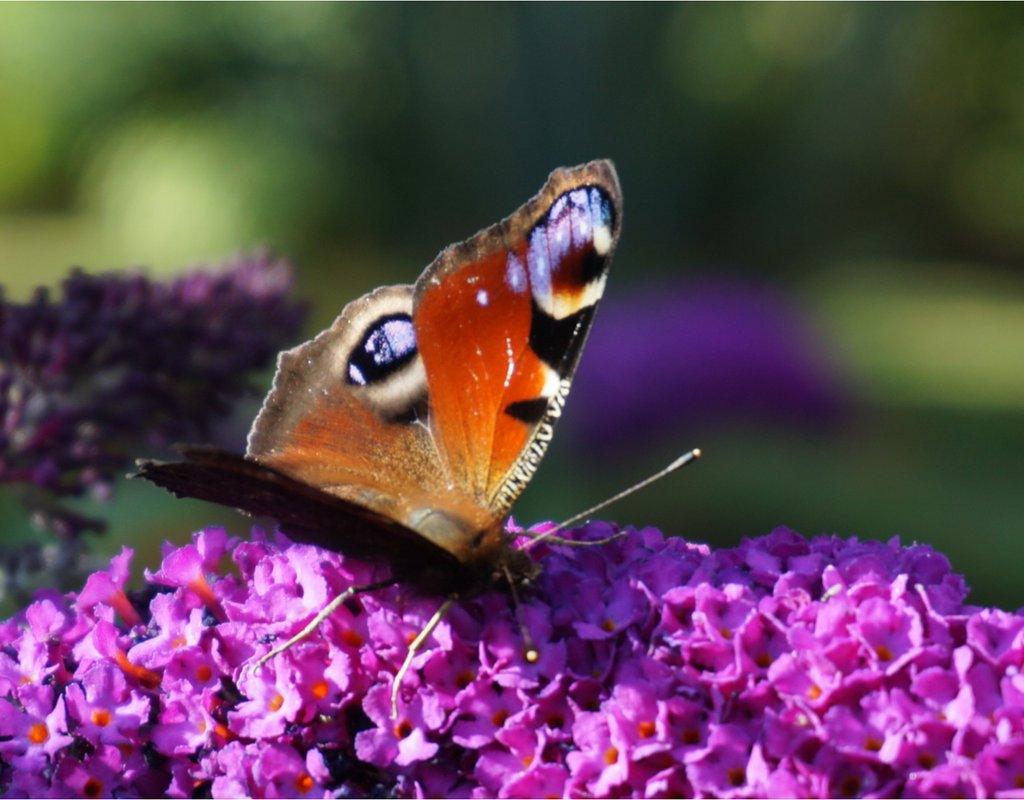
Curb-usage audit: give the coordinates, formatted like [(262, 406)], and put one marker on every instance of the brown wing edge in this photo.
[(516, 225), (305, 514)]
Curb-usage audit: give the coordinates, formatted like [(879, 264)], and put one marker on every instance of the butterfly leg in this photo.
[(529, 649), (414, 647), (324, 613)]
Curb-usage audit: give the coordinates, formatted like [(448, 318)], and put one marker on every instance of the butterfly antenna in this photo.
[(679, 463)]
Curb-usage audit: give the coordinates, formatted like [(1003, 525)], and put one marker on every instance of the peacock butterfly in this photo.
[(406, 430)]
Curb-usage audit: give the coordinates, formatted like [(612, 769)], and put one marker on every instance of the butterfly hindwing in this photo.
[(347, 415), (305, 513), (501, 320)]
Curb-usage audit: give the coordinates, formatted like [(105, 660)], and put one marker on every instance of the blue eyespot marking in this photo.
[(388, 345), (515, 274)]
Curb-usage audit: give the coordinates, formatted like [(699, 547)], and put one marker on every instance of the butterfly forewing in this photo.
[(501, 320)]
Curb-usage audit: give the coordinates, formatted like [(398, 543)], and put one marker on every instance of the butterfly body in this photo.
[(406, 430)]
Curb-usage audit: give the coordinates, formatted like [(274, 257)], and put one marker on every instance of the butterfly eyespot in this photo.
[(387, 346), (567, 252)]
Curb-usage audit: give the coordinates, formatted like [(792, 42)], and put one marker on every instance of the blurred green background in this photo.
[(867, 161)]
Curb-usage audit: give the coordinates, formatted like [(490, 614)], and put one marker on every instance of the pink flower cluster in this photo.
[(782, 667)]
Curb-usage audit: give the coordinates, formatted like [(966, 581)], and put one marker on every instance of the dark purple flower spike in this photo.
[(781, 667), (120, 364)]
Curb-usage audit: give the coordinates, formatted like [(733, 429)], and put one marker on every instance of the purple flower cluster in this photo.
[(827, 667), (717, 349), (120, 364)]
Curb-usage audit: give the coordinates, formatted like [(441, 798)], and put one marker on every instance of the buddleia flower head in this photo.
[(783, 666)]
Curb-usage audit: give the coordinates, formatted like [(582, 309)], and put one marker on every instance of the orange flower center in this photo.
[(884, 653), (403, 729), (354, 638), (499, 717), (304, 782), (873, 743), (275, 702), (319, 690), (926, 760), (223, 731), (737, 776), (726, 633), (204, 672), (611, 755), (763, 660), (646, 729), (608, 625), (92, 788), (814, 692), (691, 736), (100, 717), (38, 733), (464, 678)]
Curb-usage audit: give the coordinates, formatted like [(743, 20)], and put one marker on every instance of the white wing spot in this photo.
[(515, 274), (551, 383), (511, 359)]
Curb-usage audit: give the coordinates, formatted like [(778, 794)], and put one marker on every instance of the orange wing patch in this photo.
[(473, 331)]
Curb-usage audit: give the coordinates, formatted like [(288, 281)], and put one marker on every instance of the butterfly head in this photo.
[(495, 558), (516, 565)]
